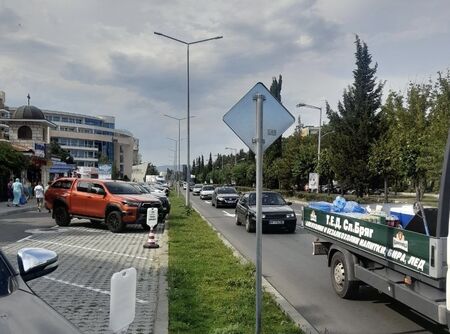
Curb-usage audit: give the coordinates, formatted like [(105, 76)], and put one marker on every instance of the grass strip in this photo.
[(210, 291)]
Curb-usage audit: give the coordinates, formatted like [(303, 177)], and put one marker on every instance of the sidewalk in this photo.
[(6, 210)]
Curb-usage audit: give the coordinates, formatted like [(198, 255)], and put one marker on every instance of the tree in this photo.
[(151, 169), (356, 123), (275, 151), (57, 151)]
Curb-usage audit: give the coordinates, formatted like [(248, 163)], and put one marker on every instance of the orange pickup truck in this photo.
[(116, 203)]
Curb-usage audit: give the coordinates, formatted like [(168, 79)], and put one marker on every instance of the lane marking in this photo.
[(228, 214), (140, 301), (88, 248), (23, 239), (208, 202)]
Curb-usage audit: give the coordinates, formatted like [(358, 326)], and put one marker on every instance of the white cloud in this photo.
[(101, 57)]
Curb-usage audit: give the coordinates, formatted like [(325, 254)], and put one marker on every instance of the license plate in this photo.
[(276, 222)]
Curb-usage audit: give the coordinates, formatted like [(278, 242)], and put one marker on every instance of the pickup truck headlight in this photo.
[(131, 203), (290, 215)]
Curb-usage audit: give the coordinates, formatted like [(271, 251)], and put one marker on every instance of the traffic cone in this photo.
[(151, 242)]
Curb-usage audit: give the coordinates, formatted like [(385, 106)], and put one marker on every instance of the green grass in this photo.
[(210, 291)]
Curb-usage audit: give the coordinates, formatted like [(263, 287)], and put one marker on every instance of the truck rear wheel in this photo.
[(114, 222), (62, 217), (339, 278)]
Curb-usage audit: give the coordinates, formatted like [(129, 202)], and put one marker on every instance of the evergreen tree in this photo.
[(210, 163), (275, 151), (356, 123)]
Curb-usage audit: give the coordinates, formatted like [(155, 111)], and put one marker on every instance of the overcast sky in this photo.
[(102, 58)]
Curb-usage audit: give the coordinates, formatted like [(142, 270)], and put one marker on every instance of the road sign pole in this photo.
[(259, 177)]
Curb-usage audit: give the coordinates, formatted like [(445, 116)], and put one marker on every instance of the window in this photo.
[(83, 186), (24, 132), (63, 184)]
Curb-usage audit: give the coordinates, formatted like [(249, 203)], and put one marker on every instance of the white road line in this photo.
[(140, 301), (228, 214), (88, 248), (208, 202), (23, 239)]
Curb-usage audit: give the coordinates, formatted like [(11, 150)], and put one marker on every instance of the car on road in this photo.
[(276, 212), (207, 191), (224, 196), (21, 310), (117, 203), (197, 188)]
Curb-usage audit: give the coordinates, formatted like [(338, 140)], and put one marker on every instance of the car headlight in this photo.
[(263, 216), (220, 198), (290, 215), (131, 203)]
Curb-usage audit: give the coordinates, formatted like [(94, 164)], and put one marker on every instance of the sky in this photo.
[(101, 57)]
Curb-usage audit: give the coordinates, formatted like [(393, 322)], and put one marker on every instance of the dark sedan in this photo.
[(276, 212), (224, 196), (21, 311)]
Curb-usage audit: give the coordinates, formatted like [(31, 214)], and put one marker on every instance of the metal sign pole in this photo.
[(259, 176)]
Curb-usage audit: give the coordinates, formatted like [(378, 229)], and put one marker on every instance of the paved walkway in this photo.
[(6, 210)]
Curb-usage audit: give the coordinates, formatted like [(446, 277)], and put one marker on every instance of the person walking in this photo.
[(39, 194), (10, 192), (17, 192)]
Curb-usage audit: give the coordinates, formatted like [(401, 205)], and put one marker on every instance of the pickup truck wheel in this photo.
[(114, 222), (236, 217), (62, 217), (249, 226), (339, 279)]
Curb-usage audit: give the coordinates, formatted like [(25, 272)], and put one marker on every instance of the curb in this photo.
[(161, 324), (282, 302)]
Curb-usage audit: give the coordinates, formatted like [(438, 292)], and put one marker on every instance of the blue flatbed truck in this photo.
[(408, 264)]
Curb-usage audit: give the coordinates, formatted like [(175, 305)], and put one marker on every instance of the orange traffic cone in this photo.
[(151, 242)]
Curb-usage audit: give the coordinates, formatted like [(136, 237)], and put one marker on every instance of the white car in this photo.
[(197, 188), (206, 192)]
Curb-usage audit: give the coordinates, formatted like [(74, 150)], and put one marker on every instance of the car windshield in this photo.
[(198, 186), (226, 191), (208, 188), (268, 199), (122, 188), (5, 278)]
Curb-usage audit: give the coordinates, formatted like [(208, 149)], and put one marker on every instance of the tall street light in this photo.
[(179, 147), (188, 176), (235, 152), (320, 127), (175, 165)]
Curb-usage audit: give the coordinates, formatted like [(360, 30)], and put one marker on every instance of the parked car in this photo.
[(224, 196), (207, 191), (276, 212), (117, 203), (197, 188), (162, 198), (21, 310)]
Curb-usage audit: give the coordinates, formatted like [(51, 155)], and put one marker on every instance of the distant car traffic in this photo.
[(207, 191), (162, 198), (197, 188), (21, 310), (276, 212), (224, 196)]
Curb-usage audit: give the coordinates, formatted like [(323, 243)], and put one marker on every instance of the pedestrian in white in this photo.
[(39, 193)]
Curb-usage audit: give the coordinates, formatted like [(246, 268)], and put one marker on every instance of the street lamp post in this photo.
[(235, 153), (320, 127), (188, 176), (175, 165), (179, 148)]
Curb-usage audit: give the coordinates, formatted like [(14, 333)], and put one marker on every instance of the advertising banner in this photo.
[(105, 171), (405, 248)]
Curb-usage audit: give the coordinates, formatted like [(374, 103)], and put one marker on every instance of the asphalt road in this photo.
[(304, 280)]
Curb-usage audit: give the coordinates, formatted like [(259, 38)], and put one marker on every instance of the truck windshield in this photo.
[(122, 188)]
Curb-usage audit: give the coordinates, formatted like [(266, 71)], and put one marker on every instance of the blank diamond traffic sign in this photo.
[(241, 118)]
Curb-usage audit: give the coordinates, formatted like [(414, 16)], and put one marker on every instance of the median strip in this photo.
[(210, 291)]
